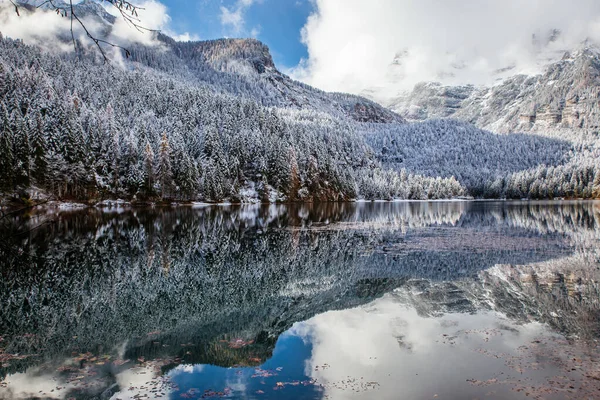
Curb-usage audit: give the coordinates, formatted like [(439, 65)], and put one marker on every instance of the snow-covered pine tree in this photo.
[(165, 170), (38, 149), (148, 186), (294, 178), (187, 179), (596, 184), (22, 149), (6, 152)]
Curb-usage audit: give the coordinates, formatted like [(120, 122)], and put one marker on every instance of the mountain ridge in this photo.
[(244, 57), (563, 97)]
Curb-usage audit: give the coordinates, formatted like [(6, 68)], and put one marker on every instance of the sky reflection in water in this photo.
[(408, 300)]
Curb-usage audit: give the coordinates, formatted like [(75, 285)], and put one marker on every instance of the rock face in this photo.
[(226, 54), (432, 100), (565, 96)]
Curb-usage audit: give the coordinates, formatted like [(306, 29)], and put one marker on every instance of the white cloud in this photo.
[(34, 28), (255, 31), (152, 15), (183, 37), (233, 18), (43, 27), (352, 43), (391, 344)]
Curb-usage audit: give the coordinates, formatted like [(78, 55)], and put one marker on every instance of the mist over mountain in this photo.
[(561, 97)]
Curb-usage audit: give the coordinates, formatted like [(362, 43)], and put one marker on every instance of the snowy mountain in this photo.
[(216, 121), (249, 63), (241, 67), (564, 97)]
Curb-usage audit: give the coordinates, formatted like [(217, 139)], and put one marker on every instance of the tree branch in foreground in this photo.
[(127, 11)]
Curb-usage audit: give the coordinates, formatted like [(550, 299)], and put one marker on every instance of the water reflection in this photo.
[(241, 301)]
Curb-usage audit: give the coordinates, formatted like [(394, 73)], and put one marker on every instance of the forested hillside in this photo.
[(83, 130), (491, 165), (216, 121)]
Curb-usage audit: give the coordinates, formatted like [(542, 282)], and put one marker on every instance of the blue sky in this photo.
[(277, 23), (387, 46)]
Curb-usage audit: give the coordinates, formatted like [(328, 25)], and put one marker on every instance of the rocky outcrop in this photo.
[(432, 100), (226, 55), (565, 96)]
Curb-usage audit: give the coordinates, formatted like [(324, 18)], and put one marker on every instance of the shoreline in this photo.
[(65, 205)]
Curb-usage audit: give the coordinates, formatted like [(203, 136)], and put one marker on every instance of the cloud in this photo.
[(388, 342), (34, 28), (52, 32), (153, 15), (390, 45), (256, 31), (183, 37), (232, 18)]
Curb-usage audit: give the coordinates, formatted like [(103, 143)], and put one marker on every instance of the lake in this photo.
[(414, 300)]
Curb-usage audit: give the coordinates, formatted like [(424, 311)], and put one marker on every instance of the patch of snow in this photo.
[(112, 203), (199, 204), (70, 206), (249, 194), (113, 206)]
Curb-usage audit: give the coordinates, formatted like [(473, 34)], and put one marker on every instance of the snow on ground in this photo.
[(200, 204), (67, 206)]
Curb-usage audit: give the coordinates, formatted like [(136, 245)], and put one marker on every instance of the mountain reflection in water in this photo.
[(384, 300)]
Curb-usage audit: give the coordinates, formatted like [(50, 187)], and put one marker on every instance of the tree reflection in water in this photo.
[(99, 294)]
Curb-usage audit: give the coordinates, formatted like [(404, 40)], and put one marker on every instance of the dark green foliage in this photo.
[(7, 158)]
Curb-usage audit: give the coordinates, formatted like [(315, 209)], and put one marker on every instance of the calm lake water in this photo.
[(441, 300)]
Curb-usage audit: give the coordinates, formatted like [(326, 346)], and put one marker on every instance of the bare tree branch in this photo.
[(16, 8), (127, 10)]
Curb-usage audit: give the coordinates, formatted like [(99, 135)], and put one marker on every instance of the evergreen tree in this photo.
[(187, 178), (313, 179), (574, 185), (165, 171), (148, 186), (596, 184), (22, 149), (6, 152), (38, 145), (212, 182), (294, 177)]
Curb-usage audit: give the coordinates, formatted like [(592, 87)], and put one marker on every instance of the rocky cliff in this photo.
[(565, 96)]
